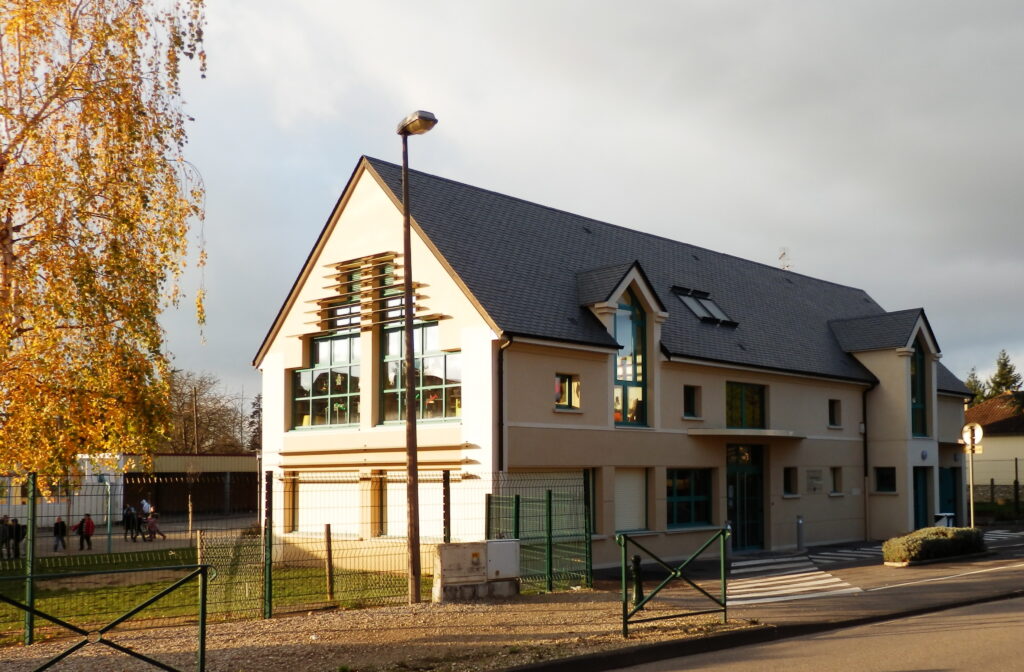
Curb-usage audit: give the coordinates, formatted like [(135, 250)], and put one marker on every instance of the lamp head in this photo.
[(417, 123)]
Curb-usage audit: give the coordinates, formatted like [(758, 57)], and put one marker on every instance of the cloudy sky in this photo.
[(881, 143)]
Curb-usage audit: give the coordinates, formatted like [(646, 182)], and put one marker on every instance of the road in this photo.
[(980, 637)]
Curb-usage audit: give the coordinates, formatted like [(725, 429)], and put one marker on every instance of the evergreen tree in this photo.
[(1006, 378), (976, 386), (254, 424)]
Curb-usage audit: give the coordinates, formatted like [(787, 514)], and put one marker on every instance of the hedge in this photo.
[(930, 543)]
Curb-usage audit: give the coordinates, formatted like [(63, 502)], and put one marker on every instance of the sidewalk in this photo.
[(887, 593)]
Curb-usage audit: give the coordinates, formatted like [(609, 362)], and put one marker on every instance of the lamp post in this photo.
[(417, 123)]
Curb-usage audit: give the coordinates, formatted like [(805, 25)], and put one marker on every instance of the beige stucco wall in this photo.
[(541, 437), (369, 222)]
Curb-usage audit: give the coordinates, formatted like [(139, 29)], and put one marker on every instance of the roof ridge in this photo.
[(621, 227), (888, 313)]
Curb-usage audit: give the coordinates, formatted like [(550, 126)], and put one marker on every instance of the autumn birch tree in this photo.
[(95, 204)]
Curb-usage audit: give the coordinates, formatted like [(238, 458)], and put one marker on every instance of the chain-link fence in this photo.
[(342, 540), (334, 540), (997, 488)]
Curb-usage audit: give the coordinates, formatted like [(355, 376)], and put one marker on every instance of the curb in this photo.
[(649, 653)]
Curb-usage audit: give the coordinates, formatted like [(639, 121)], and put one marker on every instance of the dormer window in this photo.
[(630, 380), (703, 306), (918, 392)]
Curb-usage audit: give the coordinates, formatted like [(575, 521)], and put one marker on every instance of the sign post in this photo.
[(971, 434)]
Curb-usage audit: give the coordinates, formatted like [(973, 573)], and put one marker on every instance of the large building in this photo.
[(690, 387)]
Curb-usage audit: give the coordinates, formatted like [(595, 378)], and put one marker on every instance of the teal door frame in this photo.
[(744, 484), (950, 484), (921, 478)]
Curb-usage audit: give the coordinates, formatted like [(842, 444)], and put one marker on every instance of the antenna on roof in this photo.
[(785, 263)]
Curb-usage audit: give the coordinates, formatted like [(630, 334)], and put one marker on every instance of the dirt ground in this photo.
[(493, 635)]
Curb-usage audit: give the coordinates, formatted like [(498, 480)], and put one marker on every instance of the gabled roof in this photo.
[(999, 415), (877, 332), (533, 270), (521, 260), (599, 284)]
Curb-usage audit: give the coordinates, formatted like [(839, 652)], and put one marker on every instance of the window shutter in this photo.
[(630, 499)]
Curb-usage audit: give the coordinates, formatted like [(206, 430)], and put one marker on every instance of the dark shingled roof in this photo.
[(533, 268), (596, 285), (876, 332)]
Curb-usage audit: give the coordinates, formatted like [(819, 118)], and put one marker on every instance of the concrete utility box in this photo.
[(461, 571), (462, 563), (503, 559)]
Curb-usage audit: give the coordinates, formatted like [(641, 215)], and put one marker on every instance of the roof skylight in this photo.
[(703, 306)]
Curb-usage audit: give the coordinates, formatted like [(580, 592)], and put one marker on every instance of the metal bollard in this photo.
[(638, 580), (799, 533)]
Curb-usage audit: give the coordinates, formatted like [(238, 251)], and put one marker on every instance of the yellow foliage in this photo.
[(95, 206)]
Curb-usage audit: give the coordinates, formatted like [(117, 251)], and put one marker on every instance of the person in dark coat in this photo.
[(131, 522), (60, 535), (16, 534), (5, 538)]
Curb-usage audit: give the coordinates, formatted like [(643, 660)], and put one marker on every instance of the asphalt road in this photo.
[(980, 637)]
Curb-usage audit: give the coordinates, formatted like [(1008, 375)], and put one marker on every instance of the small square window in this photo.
[(835, 413), (789, 481), (885, 479), (691, 401), (567, 391), (837, 480)]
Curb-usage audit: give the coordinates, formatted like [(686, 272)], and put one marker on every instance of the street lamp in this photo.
[(417, 123)]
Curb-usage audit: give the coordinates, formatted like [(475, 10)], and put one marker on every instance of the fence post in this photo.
[(488, 500), (723, 563), (110, 521), (622, 541), (201, 654), (199, 546), (268, 545), (515, 517), (587, 532), (330, 562), (991, 491), (30, 558), (1016, 487), (446, 504), (549, 547)]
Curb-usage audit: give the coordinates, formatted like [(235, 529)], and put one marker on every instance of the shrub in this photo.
[(934, 542)]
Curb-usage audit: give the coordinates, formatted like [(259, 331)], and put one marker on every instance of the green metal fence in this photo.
[(550, 515), (322, 540)]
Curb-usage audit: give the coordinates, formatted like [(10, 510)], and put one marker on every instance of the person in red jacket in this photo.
[(85, 529)]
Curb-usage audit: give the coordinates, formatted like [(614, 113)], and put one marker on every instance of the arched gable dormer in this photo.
[(924, 352), (623, 299)]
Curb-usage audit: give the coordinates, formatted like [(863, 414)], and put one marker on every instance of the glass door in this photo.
[(745, 495)]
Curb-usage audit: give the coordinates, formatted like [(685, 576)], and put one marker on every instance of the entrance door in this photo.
[(949, 491), (921, 498), (745, 494)]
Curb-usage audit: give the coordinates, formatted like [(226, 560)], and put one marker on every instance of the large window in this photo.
[(630, 381), (745, 405), (327, 393), (438, 375), (688, 497), (918, 393)]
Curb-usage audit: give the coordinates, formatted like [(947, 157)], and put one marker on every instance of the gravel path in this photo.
[(490, 635)]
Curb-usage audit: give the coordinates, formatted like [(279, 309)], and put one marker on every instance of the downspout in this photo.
[(506, 341), (867, 470)]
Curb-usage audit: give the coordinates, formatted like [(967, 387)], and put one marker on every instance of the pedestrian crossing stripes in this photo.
[(998, 535), (872, 553), (781, 580)]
